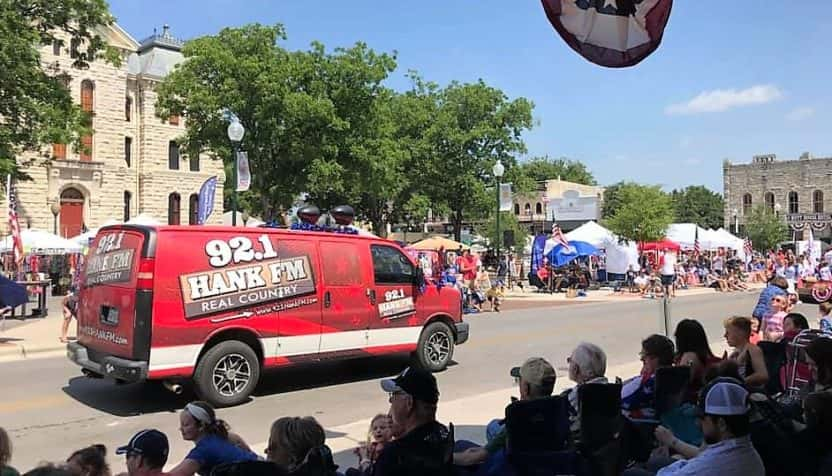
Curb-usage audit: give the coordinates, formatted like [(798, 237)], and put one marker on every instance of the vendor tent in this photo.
[(592, 233), (664, 244), (621, 257), (561, 255), (84, 239), (41, 243), (437, 243), (686, 234)]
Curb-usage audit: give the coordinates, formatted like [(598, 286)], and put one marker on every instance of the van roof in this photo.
[(237, 229)]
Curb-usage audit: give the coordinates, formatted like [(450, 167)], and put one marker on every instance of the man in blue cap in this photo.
[(146, 453)]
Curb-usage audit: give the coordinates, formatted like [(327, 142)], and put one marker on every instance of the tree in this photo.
[(697, 204), (508, 221), (642, 214), (545, 168), (473, 126), (612, 199), (765, 229), (36, 108)]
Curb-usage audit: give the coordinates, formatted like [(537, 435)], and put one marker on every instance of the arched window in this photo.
[(769, 198), (527, 209), (173, 155), (817, 201), (87, 102), (516, 208), (128, 197), (538, 209), (173, 208), (794, 205), (746, 204), (193, 160), (193, 209)]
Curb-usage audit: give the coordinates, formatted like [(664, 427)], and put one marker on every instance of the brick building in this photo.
[(791, 188), (134, 165)]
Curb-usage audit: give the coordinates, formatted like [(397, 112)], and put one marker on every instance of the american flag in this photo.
[(558, 236), (14, 225), (696, 248)]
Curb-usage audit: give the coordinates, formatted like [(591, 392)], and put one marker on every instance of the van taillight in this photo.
[(144, 277)]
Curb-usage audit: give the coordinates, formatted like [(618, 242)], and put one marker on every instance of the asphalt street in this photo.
[(51, 410)]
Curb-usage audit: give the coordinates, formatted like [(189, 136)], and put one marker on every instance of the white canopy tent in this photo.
[(42, 243), (592, 233), (619, 256), (84, 239), (142, 219)]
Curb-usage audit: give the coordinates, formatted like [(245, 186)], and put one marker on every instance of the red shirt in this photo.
[(467, 266)]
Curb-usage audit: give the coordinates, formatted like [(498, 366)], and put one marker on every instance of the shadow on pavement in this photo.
[(127, 399)]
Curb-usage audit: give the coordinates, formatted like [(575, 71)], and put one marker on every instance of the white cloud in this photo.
[(800, 114), (720, 100)]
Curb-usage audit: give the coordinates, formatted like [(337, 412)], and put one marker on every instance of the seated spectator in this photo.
[(819, 358), (771, 326), (825, 320), (749, 357), (793, 324), (693, 350), (421, 443), (146, 453), (638, 394), (536, 379), (814, 440), (90, 461), (587, 364), (6, 455), (298, 444), (49, 470), (642, 281), (198, 423), (380, 434)]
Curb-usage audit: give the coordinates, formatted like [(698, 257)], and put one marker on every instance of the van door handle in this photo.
[(327, 299), (371, 293)]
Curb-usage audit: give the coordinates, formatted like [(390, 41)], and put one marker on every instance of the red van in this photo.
[(217, 305)]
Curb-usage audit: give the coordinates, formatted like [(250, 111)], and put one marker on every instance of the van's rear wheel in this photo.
[(436, 347), (227, 374)]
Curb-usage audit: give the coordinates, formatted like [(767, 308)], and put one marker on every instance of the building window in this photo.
[(793, 202), (527, 209), (516, 208), (56, 47), (74, 44), (193, 209), (128, 109), (769, 198), (173, 208), (128, 197), (174, 120), (538, 209), (817, 201), (87, 101), (128, 151), (193, 160), (59, 151), (746, 204), (173, 155)]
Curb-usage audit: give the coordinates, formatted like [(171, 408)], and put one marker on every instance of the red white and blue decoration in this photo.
[(561, 255), (611, 33)]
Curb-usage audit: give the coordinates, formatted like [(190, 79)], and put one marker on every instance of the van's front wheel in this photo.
[(436, 347), (227, 374)]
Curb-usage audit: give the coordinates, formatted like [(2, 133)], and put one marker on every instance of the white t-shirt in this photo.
[(825, 274), (669, 264)]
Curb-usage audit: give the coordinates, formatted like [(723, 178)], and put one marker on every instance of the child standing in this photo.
[(380, 434), (825, 321)]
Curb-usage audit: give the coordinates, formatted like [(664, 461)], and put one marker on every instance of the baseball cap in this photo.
[(150, 443), (536, 370), (418, 383), (725, 398)]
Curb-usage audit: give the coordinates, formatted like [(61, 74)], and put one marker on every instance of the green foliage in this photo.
[(642, 213), (508, 221), (612, 198), (697, 204), (765, 229), (545, 168), (36, 107)]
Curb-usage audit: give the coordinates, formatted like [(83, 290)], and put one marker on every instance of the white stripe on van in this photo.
[(185, 356)]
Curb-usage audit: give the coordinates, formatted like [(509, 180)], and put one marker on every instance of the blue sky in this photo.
[(731, 79)]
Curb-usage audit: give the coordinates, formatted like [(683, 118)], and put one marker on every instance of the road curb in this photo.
[(14, 351)]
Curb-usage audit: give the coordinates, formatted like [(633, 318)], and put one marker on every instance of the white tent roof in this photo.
[(84, 238), (142, 219), (592, 233), (41, 242)]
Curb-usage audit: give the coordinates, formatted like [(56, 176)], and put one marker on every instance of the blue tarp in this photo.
[(11, 293), (561, 255)]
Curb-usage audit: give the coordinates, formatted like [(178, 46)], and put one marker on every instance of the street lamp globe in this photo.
[(777, 207), (498, 169), (55, 208), (236, 131)]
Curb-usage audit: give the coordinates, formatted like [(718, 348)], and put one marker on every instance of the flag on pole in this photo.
[(206, 200), (696, 248), (243, 172), (14, 224), (558, 236)]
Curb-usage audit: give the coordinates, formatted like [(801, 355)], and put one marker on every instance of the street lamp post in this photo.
[(236, 131), (777, 209), (406, 225), (498, 171), (736, 222), (55, 208)]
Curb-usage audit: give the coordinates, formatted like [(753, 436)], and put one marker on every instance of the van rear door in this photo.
[(107, 319)]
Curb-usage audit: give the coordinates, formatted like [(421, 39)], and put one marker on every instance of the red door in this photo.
[(72, 213), (395, 325)]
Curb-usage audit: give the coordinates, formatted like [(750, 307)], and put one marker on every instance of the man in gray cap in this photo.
[(536, 379)]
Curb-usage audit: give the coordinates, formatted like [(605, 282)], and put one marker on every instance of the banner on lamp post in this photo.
[(243, 172), (505, 197), (206, 200)]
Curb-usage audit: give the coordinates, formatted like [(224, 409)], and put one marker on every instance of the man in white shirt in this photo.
[(668, 272)]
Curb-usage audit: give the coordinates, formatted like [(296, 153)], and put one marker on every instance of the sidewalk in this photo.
[(605, 295), (35, 336)]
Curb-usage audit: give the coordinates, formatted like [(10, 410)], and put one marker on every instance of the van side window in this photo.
[(391, 266)]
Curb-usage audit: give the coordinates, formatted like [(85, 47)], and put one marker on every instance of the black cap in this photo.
[(150, 443), (418, 383)]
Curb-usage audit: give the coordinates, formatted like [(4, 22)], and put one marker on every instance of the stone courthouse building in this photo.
[(134, 165), (799, 190)]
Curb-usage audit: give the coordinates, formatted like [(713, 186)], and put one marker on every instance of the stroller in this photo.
[(795, 374)]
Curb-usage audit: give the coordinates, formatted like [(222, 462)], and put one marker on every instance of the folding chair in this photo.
[(538, 437), (601, 444)]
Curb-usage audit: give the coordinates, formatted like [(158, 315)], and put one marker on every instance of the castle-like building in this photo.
[(134, 164)]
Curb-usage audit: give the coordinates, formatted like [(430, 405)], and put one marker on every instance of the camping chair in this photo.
[(601, 444), (538, 437)]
